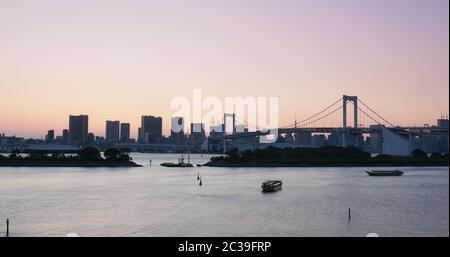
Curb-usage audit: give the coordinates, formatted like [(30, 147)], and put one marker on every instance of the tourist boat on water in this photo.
[(271, 185), (384, 172), (181, 163)]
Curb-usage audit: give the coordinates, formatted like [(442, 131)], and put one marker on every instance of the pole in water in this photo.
[(349, 214), (7, 227)]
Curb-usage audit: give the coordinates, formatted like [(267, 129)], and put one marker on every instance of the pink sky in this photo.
[(123, 59)]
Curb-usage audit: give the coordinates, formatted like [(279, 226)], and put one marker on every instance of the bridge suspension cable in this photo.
[(368, 115), (315, 115), (374, 112), (249, 125), (321, 117), (318, 116)]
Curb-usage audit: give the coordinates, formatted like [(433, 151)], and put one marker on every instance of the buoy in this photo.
[(200, 183), (7, 227)]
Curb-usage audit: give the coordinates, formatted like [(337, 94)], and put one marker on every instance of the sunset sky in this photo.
[(123, 59)]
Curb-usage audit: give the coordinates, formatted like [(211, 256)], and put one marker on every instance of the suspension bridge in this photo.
[(365, 120)]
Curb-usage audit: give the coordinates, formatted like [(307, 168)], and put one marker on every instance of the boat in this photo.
[(384, 172), (181, 164), (271, 185)]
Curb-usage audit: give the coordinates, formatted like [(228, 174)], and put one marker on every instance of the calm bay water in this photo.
[(158, 201)]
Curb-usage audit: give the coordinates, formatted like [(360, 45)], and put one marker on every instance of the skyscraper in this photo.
[(125, 132), (112, 131), (78, 129), (50, 137), (91, 138), (197, 136), (139, 135), (151, 129), (177, 130), (65, 136)]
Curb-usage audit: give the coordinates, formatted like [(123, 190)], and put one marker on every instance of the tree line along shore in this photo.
[(87, 157), (328, 156)]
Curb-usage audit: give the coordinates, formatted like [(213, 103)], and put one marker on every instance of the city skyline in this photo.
[(117, 131), (118, 62)]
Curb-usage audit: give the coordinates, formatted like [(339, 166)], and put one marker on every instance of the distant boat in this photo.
[(180, 164), (271, 185), (384, 172)]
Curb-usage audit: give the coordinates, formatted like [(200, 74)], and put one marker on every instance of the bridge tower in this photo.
[(225, 119), (346, 99)]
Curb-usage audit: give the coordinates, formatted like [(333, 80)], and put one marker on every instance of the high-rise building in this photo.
[(112, 131), (91, 138), (125, 132), (139, 137), (442, 144), (78, 129), (443, 123), (65, 136), (177, 130), (50, 137), (151, 129), (197, 136)]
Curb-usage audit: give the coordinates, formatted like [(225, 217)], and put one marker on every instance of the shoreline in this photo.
[(312, 165), (71, 164)]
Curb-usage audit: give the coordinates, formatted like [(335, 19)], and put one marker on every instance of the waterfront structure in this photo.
[(215, 139), (91, 138), (112, 131), (197, 136), (386, 141), (334, 139), (442, 141), (318, 140), (151, 129), (125, 132), (443, 123), (303, 138), (434, 143), (9, 143), (139, 138), (65, 136), (177, 130), (50, 137), (78, 129)]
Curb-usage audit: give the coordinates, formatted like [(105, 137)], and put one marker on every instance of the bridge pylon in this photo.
[(225, 126), (345, 99)]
